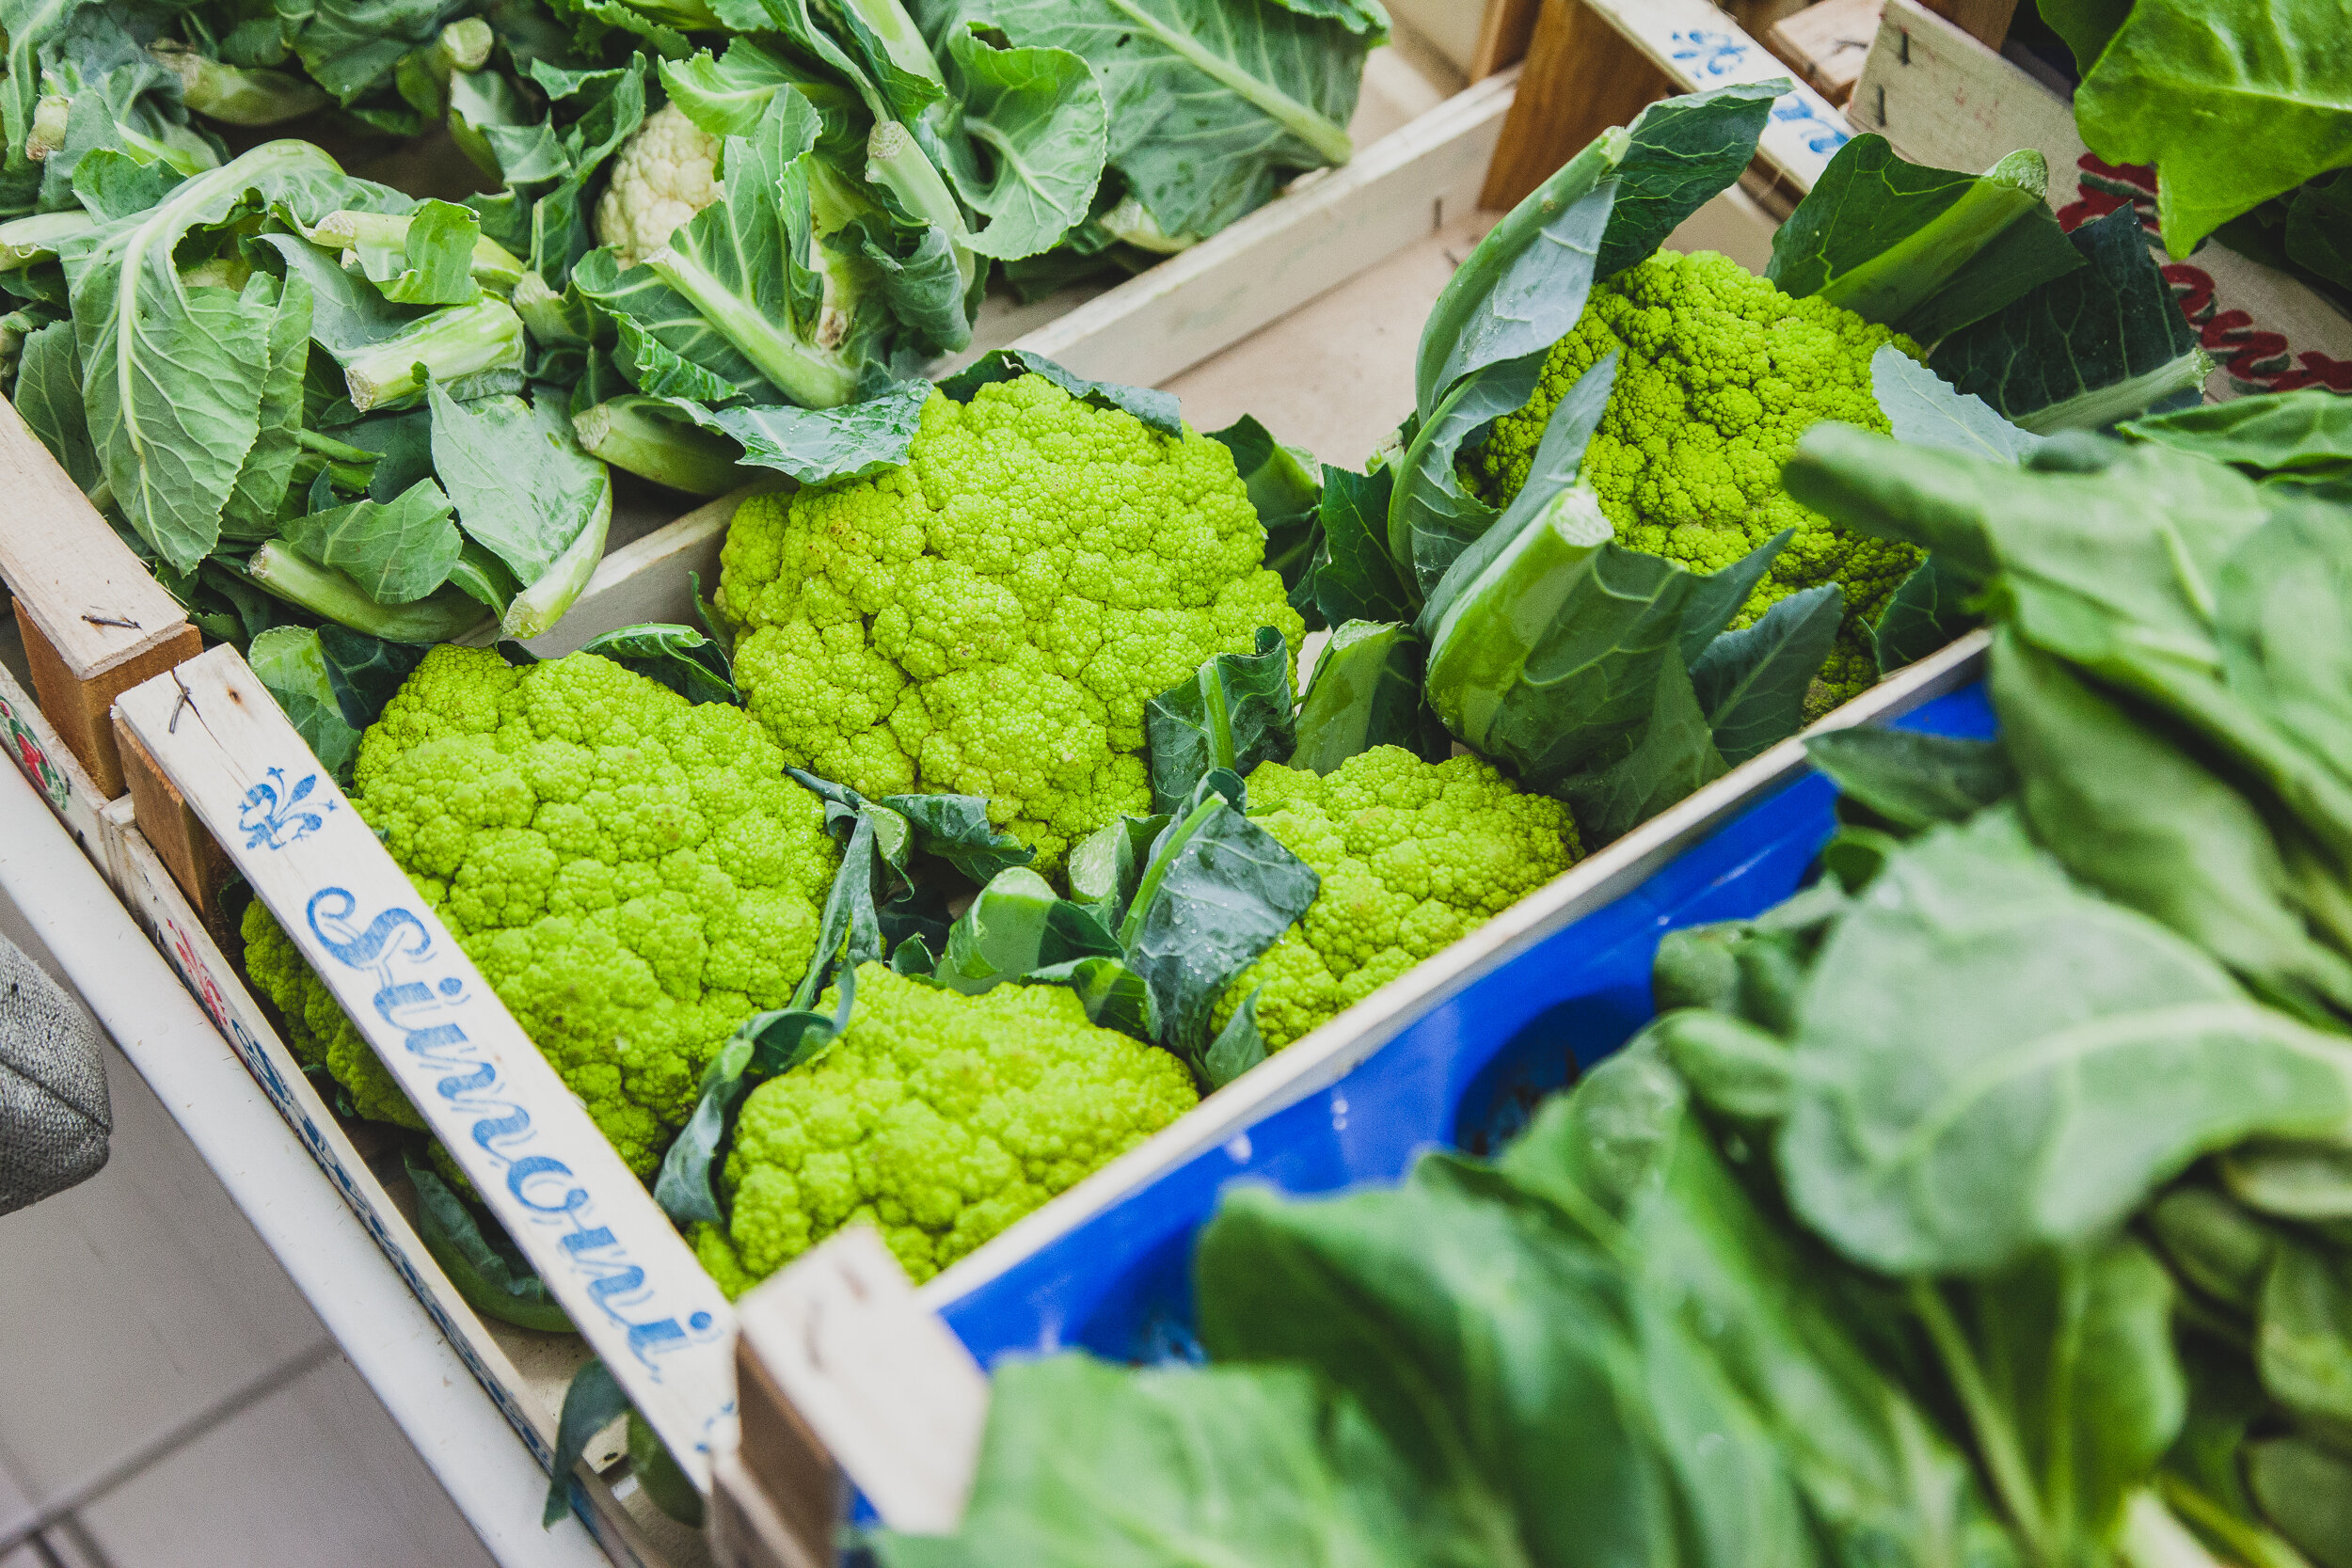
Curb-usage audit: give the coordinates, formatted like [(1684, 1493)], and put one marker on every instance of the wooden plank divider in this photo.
[(610, 1257), (194, 858), (95, 621)]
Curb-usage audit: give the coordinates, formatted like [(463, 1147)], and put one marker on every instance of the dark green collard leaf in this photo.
[(1367, 691), (1911, 781), (1752, 683), (956, 829), (591, 1402), (48, 392), (1353, 578), (1524, 285), (2319, 228), (2134, 815), (1922, 251), (659, 1473), (1928, 612), (1086, 1464), (1752, 970), (398, 551), (680, 658), (488, 1270), (2100, 344), (766, 1045), (289, 662), (1212, 106), (1923, 410), (1155, 408), (1108, 864), (817, 446), (2071, 1369), (1559, 459), (2304, 1344), (365, 672), (1673, 755), (2270, 432), (1238, 1047), (1234, 712), (2306, 1489), (1683, 152), (2234, 103), (1218, 891), (2307, 1182), (849, 929), (1016, 925), (1991, 1063), (1042, 132)]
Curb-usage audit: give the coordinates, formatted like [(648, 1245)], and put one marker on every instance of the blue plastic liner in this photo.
[(1466, 1075)]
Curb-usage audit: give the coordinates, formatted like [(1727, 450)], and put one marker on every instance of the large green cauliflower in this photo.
[(991, 618), (937, 1117), (1413, 855), (634, 877), (1720, 373)]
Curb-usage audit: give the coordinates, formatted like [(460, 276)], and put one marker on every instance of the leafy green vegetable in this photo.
[(1911, 781), (1366, 691), (2233, 102), (1018, 925), (1923, 250), (1923, 410), (528, 494), (1234, 714), (486, 1267), (397, 551), (680, 658), (2301, 432), (1156, 409), (2095, 346)]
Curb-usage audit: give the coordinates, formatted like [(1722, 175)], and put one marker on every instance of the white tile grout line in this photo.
[(235, 1403)]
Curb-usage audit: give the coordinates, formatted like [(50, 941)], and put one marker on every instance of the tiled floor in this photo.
[(168, 1400)]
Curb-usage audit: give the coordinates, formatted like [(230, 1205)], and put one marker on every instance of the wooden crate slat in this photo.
[(1503, 37), (610, 1257), (1826, 43), (1581, 76), (56, 774)]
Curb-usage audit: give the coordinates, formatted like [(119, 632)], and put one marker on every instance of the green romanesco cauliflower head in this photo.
[(940, 1118), (1720, 373), (664, 175), (1413, 856), (633, 874), (991, 618)]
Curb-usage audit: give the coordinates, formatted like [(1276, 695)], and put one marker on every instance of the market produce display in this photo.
[(1984, 1202)]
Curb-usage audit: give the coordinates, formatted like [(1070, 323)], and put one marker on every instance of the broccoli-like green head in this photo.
[(1718, 373), (634, 877), (991, 618), (940, 1118), (1414, 855)]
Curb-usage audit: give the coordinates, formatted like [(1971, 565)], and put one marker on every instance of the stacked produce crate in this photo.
[(1568, 615)]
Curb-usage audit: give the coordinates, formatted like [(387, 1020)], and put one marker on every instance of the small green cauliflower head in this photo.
[(991, 618), (939, 1118), (1719, 374), (662, 176), (1413, 855), (633, 874)]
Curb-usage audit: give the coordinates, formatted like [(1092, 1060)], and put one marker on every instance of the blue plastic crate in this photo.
[(1463, 1075)]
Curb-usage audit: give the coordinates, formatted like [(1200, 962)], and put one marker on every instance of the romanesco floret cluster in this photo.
[(633, 874), (1720, 373), (992, 617), (938, 1118), (1414, 855)]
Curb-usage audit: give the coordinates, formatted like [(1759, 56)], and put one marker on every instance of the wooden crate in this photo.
[(1941, 96)]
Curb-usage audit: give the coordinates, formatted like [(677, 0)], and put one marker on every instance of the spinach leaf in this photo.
[(1991, 1062), (2309, 1181), (2233, 103), (2310, 430), (1234, 712), (2305, 1487), (1090, 1466), (2304, 1344), (1909, 781)]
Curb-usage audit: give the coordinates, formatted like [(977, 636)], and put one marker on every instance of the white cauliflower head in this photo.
[(662, 176)]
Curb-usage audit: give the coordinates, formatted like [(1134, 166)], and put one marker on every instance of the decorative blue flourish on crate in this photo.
[(275, 817), (1708, 52), (397, 947), (1826, 137)]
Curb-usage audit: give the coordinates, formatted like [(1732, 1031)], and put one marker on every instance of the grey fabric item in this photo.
[(54, 1118)]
